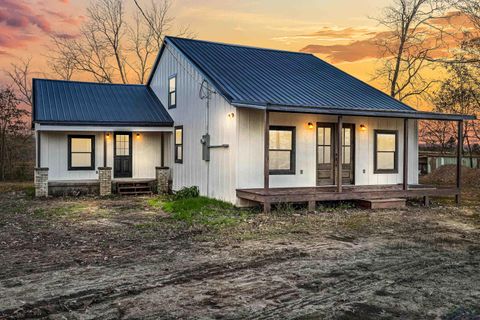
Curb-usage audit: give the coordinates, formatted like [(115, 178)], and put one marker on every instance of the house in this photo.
[(428, 161), (244, 124)]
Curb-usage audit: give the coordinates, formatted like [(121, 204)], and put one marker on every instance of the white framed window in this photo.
[(172, 92)]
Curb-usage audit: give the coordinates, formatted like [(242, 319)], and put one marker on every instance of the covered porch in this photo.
[(339, 189)]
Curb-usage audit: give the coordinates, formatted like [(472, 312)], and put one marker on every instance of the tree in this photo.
[(109, 48), (11, 124), (460, 93), (437, 135), (408, 45), (21, 76)]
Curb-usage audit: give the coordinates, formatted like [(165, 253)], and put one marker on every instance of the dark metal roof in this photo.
[(86, 103), (288, 81), (259, 76)]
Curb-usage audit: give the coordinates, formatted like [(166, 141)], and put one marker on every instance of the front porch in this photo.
[(353, 166), (267, 197)]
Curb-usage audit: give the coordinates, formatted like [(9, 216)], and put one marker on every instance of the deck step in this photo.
[(392, 203), (134, 188)]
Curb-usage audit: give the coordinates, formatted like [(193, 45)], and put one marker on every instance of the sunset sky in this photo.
[(339, 31)]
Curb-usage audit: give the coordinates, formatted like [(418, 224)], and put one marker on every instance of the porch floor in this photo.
[(329, 193)]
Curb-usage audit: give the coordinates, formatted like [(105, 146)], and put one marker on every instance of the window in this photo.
[(324, 144), (282, 150), (179, 144), (122, 144), (172, 92), (386, 151), (347, 144), (81, 152)]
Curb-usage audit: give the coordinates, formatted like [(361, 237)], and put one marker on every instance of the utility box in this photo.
[(205, 147)]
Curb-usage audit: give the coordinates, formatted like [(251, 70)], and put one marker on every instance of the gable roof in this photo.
[(287, 81), (86, 103), (257, 76)]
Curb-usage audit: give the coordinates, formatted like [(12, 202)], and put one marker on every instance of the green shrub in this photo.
[(187, 193)]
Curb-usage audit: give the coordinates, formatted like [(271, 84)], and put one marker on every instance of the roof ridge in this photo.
[(240, 45), (91, 82)]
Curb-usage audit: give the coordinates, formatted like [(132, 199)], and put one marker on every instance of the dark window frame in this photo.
[(170, 105), (293, 151), (375, 150), (177, 160), (92, 139)]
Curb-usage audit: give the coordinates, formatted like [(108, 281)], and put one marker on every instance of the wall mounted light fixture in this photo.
[(363, 127), (231, 115), (310, 125), (138, 135)]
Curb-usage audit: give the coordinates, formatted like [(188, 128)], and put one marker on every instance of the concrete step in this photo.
[(392, 203)]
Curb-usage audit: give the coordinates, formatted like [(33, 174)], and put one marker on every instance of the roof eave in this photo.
[(104, 123), (352, 112)]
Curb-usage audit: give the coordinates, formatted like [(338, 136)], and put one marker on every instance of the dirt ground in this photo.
[(114, 258)]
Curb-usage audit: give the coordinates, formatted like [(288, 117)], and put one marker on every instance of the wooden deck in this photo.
[(313, 194)]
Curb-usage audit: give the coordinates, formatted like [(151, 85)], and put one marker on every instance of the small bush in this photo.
[(187, 193)]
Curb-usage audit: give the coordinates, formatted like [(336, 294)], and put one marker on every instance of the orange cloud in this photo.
[(366, 47)]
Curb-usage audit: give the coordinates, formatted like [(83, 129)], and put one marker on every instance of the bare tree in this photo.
[(409, 43), (109, 47), (11, 122), (437, 135), (106, 21), (20, 74)]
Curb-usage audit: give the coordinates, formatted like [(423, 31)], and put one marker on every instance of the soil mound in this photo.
[(447, 175)]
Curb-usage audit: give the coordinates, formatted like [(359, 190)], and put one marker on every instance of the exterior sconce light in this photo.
[(138, 135), (310, 125), (363, 127), (108, 135), (231, 115)]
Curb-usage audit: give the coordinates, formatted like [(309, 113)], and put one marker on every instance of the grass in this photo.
[(201, 210), (66, 210), (25, 186)]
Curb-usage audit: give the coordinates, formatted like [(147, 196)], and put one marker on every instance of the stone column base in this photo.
[(105, 178), (41, 182), (162, 174)]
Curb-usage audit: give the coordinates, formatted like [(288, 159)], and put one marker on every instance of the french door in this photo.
[(327, 157)]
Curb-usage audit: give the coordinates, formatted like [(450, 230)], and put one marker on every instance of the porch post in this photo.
[(162, 148), (39, 144), (104, 149), (266, 159), (459, 161), (405, 154), (339, 153)]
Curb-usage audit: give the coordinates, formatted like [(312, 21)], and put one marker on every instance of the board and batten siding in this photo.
[(250, 149), (215, 178), (146, 151)]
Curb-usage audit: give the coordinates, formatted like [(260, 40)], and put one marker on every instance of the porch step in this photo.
[(392, 203), (134, 188)]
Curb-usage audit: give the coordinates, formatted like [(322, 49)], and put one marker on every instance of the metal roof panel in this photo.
[(62, 101), (260, 76)]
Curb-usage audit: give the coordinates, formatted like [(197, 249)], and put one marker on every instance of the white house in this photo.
[(243, 124)]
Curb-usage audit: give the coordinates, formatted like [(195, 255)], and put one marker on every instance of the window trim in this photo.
[(293, 152), (170, 105), (175, 144), (75, 136), (375, 150)]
